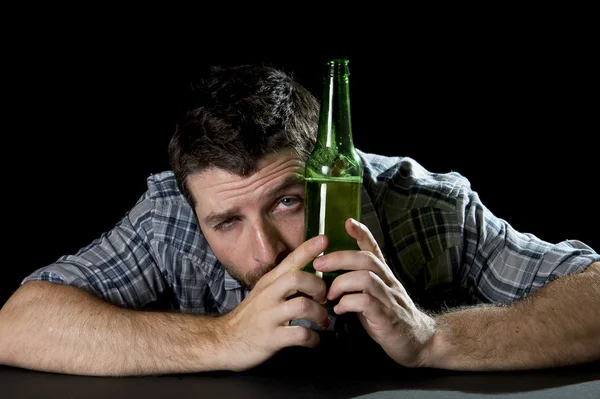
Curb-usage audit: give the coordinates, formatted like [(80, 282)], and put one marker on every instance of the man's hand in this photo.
[(370, 289), (259, 326)]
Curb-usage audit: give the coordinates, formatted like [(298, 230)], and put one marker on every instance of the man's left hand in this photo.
[(383, 306)]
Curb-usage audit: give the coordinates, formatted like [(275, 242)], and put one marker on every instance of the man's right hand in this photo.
[(259, 326)]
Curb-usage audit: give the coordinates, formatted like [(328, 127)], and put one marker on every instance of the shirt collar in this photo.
[(230, 283)]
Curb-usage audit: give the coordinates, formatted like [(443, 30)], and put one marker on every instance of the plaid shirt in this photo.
[(439, 239)]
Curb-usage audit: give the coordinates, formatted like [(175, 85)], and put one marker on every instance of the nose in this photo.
[(267, 245)]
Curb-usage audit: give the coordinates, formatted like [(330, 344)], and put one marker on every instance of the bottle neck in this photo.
[(335, 127)]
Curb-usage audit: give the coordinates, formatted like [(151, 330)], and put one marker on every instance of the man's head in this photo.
[(238, 157)]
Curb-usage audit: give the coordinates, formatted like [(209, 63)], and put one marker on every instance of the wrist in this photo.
[(436, 351), (441, 351), (426, 341), (450, 347), (208, 349), (227, 352)]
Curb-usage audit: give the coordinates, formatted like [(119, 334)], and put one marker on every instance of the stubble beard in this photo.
[(250, 279)]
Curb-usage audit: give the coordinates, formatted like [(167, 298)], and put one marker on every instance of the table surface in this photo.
[(304, 373)]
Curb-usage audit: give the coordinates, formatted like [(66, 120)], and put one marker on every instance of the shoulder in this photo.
[(173, 220), (408, 182), (162, 185)]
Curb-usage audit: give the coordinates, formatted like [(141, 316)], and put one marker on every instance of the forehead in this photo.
[(216, 187)]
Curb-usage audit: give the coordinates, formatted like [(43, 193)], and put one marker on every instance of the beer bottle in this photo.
[(334, 171), (333, 185)]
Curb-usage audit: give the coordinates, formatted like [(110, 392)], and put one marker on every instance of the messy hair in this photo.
[(240, 115)]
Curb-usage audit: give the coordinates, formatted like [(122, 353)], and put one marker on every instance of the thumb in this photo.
[(364, 238)]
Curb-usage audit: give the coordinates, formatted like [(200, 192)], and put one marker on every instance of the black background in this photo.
[(509, 99)]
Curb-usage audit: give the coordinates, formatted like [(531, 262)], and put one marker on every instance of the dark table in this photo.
[(304, 373)]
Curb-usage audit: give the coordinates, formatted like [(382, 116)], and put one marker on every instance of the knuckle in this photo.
[(303, 335), (366, 300), (370, 255), (322, 286), (375, 277), (292, 258), (302, 305), (293, 278), (366, 276)]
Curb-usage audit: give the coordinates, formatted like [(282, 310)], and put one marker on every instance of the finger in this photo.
[(371, 309), (298, 258), (297, 282), (353, 260), (301, 308), (298, 336), (364, 238), (363, 281)]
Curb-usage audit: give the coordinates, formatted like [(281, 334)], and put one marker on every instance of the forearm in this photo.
[(558, 325), (63, 329)]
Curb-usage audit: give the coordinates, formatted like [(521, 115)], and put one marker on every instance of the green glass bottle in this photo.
[(334, 171)]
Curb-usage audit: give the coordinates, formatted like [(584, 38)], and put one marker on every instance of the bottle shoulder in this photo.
[(325, 162)]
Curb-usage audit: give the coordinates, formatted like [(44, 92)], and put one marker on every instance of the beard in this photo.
[(249, 280)]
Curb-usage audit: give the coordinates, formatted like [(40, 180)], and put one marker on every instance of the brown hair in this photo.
[(241, 114)]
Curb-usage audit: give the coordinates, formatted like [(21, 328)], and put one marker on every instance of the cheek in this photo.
[(229, 252), (293, 231)]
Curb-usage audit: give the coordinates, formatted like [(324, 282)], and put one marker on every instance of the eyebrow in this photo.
[(291, 181), (216, 218)]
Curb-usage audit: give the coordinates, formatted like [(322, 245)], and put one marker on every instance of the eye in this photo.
[(225, 225), (289, 205), (290, 201)]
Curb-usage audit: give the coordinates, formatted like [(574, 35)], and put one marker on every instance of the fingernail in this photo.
[(320, 240)]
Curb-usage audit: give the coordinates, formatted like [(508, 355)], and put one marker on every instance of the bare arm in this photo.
[(64, 329), (60, 328), (558, 325)]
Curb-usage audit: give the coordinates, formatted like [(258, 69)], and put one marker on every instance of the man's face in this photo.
[(252, 223)]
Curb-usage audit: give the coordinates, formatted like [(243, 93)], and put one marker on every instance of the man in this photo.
[(204, 273)]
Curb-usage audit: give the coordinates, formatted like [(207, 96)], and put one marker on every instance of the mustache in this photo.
[(256, 274)]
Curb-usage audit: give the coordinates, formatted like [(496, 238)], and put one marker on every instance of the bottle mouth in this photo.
[(337, 66), (337, 61)]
